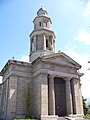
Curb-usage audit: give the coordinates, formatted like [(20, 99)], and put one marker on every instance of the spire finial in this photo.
[(42, 5)]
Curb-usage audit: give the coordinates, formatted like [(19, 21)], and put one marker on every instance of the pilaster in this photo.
[(44, 94), (11, 108), (81, 100), (77, 102), (7, 94)]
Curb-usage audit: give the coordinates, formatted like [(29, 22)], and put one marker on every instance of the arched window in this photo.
[(46, 24), (34, 26), (32, 45)]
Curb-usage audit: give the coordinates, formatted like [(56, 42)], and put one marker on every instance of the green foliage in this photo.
[(87, 116), (89, 106), (28, 102), (85, 108)]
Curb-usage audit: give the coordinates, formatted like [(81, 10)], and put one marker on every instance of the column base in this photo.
[(49, 117), (75, 116), (20, 116)]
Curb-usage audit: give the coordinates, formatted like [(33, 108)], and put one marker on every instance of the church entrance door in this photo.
[(60, 99)]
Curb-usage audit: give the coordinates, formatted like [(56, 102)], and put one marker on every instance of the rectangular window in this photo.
[(46, 24), (40, 24), (46, 43)]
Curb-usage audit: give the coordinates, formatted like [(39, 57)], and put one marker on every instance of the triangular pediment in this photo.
[(61, 58)]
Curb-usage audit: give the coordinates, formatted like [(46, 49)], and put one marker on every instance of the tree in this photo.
[(28, 102), (88, 105), (85, 108)]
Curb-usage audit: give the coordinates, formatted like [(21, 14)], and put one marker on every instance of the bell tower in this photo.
[(42, 38)]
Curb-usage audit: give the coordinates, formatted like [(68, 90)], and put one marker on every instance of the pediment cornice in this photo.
[(61, 59)]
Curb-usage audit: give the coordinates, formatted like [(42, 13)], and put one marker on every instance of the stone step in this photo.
[(61, 118)]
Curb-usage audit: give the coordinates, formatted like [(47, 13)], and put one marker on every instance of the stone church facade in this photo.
[(55, 88)]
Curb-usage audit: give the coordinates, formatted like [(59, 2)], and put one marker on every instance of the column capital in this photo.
[(51, 76), (75, 80), (67, 78)]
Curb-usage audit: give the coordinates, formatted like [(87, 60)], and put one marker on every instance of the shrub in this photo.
[(87, 115)]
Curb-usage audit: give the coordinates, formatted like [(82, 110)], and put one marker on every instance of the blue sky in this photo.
[(71, 23)]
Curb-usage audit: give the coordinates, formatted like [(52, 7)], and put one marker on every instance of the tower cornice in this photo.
[(37, 17), (41, 31)]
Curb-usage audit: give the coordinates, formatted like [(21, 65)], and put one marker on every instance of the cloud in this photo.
[(84, 1), (83, 36), (25, 58), (86, 11), (82, 59)]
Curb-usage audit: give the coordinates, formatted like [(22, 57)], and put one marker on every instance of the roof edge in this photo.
[(10, 61)]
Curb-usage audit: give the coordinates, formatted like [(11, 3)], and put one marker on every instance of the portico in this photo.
[(61, 102), (60, 96)]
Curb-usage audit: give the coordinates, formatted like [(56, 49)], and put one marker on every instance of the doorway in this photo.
[(60, 99)]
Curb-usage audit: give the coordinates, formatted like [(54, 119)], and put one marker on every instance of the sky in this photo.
[(70, 22)]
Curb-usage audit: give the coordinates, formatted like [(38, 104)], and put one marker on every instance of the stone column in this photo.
[(52, 44), (51, 96), (7, 94), (69, 108), (35, 43), (44, 40)]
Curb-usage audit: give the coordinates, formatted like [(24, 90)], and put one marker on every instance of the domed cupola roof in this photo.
[(42, 12)]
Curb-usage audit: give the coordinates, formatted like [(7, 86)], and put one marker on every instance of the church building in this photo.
[(54, 79)]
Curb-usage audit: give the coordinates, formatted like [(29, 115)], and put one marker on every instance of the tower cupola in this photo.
[(42, 38), (42, 12)]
